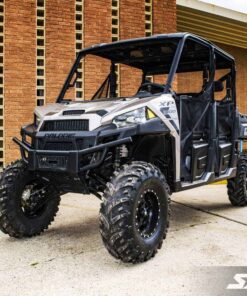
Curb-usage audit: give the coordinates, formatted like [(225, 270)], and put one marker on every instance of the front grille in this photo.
[(81, 144), (55, 145), (59, 146), (66, 125)]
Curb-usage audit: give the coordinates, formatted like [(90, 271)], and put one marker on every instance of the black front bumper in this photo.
[(69, 152), (75, 152), (65, 161)]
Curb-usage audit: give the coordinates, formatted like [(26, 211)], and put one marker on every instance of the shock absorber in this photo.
[(121, 152)]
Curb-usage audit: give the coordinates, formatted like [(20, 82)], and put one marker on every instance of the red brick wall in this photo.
[(164, 21), (19, 70), (132, 25), (132, 17), (240, 55), (190, 82), (60, 44), (97, 29), (164, 16)]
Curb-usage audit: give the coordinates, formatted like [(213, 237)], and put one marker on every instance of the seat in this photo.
[(225, 122)]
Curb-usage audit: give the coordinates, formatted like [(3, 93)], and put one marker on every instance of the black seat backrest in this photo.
[(192, 121), (225, 118)]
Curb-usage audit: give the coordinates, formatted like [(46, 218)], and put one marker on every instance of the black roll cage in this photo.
[(94, 50)]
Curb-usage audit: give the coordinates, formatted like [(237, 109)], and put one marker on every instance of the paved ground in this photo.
[(69, 259)]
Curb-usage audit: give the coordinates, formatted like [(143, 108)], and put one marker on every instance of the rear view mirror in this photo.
[(218, 86)]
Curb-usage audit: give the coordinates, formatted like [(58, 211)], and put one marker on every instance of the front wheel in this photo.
[(134, 215), (28, 204)]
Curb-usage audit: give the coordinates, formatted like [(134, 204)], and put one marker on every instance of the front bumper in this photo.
[(75, 152), (70, 152), (65, 161)]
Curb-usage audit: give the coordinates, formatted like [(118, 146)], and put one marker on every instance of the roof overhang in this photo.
[(212, 22)]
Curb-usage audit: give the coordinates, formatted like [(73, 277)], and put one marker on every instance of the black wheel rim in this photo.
[(148, 214), (34, 199)]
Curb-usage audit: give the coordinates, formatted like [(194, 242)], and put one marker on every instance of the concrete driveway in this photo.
[(69, 259)]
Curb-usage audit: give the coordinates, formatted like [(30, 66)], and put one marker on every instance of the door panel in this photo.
[(225, 117), (195, 132)]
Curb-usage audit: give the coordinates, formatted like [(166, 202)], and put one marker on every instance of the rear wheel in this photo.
[(134, 216), (237, 190), (28, 204)]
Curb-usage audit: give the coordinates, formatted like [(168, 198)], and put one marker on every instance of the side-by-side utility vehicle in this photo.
[(179, 129)]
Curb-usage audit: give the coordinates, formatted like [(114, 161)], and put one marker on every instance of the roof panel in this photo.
[(212, 27)]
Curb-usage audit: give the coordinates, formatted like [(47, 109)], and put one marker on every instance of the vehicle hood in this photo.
[(100, 112), (91, 111), (88, 107)]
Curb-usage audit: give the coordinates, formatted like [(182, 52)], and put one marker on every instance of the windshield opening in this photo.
[(121, 70), (97, 78)]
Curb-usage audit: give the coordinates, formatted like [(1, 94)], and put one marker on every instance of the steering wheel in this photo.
[(150, 88)]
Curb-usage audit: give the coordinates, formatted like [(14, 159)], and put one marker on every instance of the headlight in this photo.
[(137, 116), (37, 120)]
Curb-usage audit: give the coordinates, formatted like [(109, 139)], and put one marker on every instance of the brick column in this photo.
[(97, 29), (60, 44), (132, 25), (164, 21), (164, 16), (19, 70)]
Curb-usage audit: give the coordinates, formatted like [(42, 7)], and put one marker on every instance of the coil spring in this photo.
[(121, 152)]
